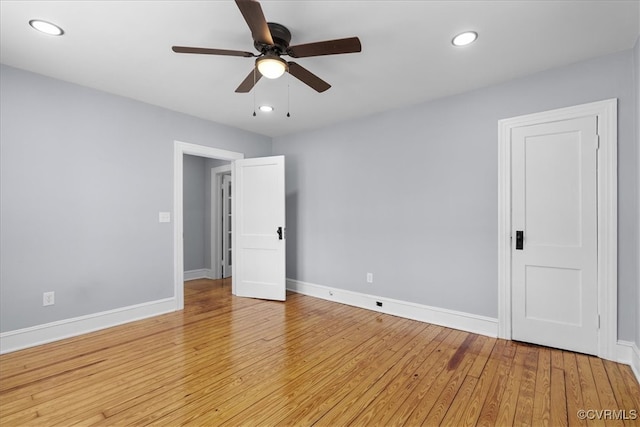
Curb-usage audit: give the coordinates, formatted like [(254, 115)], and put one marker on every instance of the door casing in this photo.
[(179, 150), (607, 211)]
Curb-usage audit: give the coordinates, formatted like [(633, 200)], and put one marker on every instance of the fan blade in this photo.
[(249, 82), (307, 77), (329, 47), (252, 12), (206, 51)]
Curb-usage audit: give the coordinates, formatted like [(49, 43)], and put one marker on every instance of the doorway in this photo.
[(258, 242), (180, 149), (544, 211)]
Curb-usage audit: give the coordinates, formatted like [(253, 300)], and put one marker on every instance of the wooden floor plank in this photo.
[(575, 402), (589, 389), (526, 395), (489, 411), (508, 404), (542, 394), (455, 411), (234, 361), (605, 391), (558, 413)]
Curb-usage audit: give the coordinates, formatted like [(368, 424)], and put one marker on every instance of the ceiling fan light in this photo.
[(271, 67)]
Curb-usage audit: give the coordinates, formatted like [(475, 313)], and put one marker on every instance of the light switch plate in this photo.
[(164, 217)]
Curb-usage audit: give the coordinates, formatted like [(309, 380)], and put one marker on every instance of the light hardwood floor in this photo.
[(245, 362)]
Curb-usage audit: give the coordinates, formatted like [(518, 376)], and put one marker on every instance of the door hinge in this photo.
[(597, 142), (598, 321)]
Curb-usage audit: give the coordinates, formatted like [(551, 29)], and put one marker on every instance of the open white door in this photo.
[(259, 264)]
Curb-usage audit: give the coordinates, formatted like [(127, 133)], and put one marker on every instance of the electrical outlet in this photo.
[(48, 298), (369, 277)]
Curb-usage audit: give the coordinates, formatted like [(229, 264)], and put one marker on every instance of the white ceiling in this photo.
[(124, 47)]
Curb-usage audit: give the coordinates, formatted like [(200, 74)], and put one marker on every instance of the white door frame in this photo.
[(607, 187), (216, 216), (179, 150)]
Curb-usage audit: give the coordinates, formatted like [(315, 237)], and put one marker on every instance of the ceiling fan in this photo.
[(272, 41)]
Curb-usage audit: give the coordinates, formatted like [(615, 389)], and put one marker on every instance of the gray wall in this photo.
[(196, 214), (411, 194), (83, 175)]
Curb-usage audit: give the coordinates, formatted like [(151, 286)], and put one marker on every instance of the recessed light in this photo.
[(46, 27), (465, 38), (266, 108)]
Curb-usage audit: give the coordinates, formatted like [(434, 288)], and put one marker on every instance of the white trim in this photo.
[(202, 273), (607, 215), (635, 361), (627, 352), (438, 316), (179, 150), (54, 331)]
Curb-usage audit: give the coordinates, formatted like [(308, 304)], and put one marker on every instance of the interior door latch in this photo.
[(519, 240)]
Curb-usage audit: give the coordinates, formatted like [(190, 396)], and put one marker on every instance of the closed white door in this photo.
[(227, 236), (259, 194), (554, 234)]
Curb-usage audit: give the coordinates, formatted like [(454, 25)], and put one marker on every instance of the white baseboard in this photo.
[(54, 331), (438, 316), (202, 273), (635, 361), (628, 353)]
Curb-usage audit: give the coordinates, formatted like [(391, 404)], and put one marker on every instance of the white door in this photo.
[(226, 235), (554, 234), (259, 194)]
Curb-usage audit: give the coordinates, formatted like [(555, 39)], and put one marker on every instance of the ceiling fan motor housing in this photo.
[(281, 38)]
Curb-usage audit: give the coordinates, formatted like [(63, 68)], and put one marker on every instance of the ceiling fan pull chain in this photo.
[(254, 91), (288, 97)]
